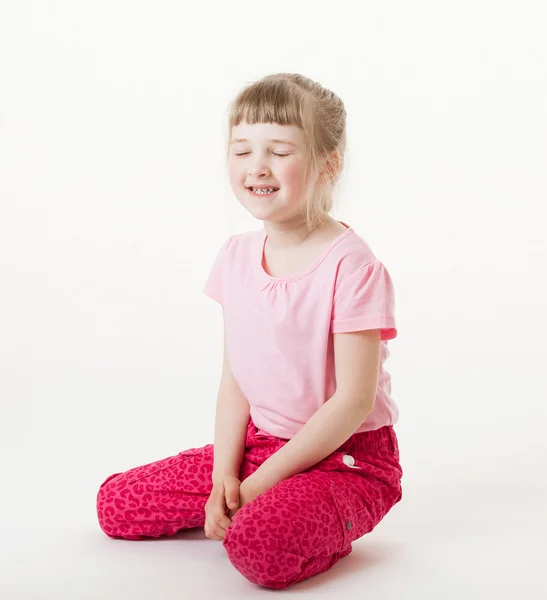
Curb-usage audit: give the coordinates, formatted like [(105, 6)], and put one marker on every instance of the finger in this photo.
[(219, 520), (215, 532), (231, 492), (231, 513), (224, 521)]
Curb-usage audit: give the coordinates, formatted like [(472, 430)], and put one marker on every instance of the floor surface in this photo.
[(444, 540)]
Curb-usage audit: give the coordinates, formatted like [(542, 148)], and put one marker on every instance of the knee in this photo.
[(112, 510), (264, 546)]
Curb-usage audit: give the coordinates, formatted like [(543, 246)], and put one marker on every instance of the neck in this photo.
[(292, 233)]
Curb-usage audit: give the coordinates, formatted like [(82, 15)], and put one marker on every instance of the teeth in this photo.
[(263, 190)]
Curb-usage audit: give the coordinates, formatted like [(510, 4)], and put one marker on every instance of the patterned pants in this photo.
[(296, 529)]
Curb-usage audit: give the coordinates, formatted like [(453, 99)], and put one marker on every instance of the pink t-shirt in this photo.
[(279, 329)]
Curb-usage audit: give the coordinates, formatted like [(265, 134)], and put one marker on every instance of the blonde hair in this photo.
[(292, 99)]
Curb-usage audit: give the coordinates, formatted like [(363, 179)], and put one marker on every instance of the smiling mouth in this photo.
[(262, 191), (263, 194)]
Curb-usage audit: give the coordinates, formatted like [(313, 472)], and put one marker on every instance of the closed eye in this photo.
[(274, 153)]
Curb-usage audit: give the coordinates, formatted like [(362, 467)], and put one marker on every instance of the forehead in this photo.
[(264, 132)]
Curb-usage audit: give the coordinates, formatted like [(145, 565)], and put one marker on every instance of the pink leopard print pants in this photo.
[(296, 529)]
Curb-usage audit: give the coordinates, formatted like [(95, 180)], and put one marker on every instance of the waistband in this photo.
[(374, 439)]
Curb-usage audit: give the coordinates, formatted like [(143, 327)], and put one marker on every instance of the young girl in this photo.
[(305, 459)]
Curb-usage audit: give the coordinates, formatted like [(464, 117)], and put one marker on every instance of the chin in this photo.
[(259, 212), (262, 215)]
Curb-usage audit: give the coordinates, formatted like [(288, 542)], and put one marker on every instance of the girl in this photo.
[(305, 459)]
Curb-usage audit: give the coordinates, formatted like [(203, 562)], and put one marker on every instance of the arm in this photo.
[(357, 360), (231, 420)]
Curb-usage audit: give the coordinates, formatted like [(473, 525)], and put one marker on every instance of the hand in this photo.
[(249, 489), (223, 495)]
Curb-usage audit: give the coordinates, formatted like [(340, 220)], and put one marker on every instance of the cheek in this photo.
[(292, 174), (235, 174)]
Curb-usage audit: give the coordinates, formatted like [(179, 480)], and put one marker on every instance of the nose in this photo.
[(258, 168)]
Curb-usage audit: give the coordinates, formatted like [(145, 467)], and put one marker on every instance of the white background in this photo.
[(114, 201)]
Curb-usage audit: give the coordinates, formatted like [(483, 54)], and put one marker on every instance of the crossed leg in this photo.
[(158, 498), (303, 525), (296, 529)]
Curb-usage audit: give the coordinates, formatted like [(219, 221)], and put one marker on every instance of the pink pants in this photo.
[(296, 529)]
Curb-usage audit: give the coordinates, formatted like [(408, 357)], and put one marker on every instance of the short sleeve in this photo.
[(365, 300), (213, 285)]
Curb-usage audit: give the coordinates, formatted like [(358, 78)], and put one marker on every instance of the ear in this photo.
[(332, 165)]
